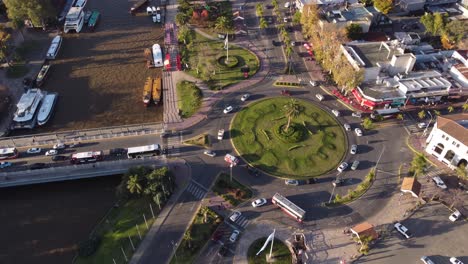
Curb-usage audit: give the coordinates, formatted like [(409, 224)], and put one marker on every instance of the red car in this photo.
[(285, 93)]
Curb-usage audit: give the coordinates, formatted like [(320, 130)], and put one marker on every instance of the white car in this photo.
[(259, 202), (5, 164), (287, 4), (234, 216), (454, 260), (358, 132), (353, 149), (347, 127), (210, 153), (336, 112), (220, 134), (342, 167), (245, 97), (59, 146), (51, 152), (34, 150), (403, 230), (454, 216), (234, 236), (356, 114), (228, 109), (422, 125), (439, 182), (313, 83)]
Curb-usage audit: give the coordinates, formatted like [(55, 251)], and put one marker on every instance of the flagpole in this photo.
[(273, 240)]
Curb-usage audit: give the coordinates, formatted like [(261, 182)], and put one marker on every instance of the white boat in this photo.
[(74, 20), (25, 115), (157, 56), (80, 3), (54, 48), (45, 111)]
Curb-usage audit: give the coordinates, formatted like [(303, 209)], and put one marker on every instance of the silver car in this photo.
[(342, 167), (234, 236), (353, 149)]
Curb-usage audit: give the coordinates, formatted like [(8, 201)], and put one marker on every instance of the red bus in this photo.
[(86, 157), (289, 207), (8, 153)]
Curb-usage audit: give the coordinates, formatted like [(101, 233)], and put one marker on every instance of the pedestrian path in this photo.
[(173, 146), (242, 221), (196, 190)]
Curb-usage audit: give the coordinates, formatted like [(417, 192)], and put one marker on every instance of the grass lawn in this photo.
[(233, 192), (17, 70), (280, 252), (256, 134), (200, 232), (121, 223), (189, 97), (355, 194), (200, 140), (206, 55)]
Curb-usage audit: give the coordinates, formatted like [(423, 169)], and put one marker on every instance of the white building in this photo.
[(448, 140)]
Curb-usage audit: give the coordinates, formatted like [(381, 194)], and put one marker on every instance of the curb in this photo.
[(417, 152), (347, 106)]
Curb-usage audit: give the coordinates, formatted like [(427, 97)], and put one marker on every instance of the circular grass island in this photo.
[(313, 144), (280, 253)]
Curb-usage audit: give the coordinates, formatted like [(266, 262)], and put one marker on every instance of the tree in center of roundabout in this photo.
[(288, 137)]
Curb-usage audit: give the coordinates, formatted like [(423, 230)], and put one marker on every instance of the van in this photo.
[(319, 97)]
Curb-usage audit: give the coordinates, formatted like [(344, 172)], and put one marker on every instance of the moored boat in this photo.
[(147, 91), (45, 111), (93, 19), (41, 76), (54, 48), (157, 90), (25, 115), (157, 55)]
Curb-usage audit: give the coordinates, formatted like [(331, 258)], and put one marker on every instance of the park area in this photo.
[(312, 145), (280, 252)]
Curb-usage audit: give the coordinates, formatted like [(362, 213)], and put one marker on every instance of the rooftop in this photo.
[(455, 125), (412, 185), (379, 91), (372, 53)]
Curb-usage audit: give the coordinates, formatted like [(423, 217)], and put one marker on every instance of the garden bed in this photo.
[(280, 253), (189, 97), (232, 191)]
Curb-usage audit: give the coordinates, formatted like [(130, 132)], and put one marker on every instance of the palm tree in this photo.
[(288, 50), (400, 117), (188, 237), (222, 24), (422, 114), (419, 164), (263, 23), (183, 34), (437, 112), (133, 184), (259, 9), (181, 19), (465, 107), (274, 2), (291, 109), (450, 109)]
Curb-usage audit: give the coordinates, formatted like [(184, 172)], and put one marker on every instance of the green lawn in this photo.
[(189, 97), (121, 223), (280, 252), (205, 55), (255, 133), (201, 140), (232, 191), (200, 234)]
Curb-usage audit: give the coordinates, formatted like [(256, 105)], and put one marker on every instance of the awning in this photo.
[(356, 95), (368, 103)]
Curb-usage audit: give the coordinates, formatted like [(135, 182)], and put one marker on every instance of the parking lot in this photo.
[(433, 235)]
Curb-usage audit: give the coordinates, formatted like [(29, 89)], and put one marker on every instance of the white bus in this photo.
[(142, 151), (289, 207), (8, 153), (86, 157)]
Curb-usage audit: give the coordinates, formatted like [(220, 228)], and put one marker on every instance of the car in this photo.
[(5, 164), (347, 127), (311, 181), (422, 125), (313, 83), (355, 165), (293, 43), (245, 97), (358, 132), (353, 149), (455, 216), (356, 114), (338, 182), (454, 260), (402, 230), (37, 166), (234, 236), (210, 153), (59, 146), (34, 150), (427, 260), (259, 202), (285, 19), (223, 251), (117, 152), (439, 182), (51, 152), (291, 182), (336, 112), (59, 158), (285, 93), (319, 97), (234, 216), (220, 134), (342, 167), (228, 109), (75, 144)]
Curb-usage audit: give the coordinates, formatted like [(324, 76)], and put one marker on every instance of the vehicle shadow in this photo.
[(364, 149)]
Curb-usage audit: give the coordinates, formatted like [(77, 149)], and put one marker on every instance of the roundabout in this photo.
[(288, 138)]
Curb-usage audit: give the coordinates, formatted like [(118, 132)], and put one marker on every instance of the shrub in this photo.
[(88, 247), (294, 134), (233, 61)]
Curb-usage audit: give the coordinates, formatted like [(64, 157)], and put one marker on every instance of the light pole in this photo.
[(428, 124), (230, 168), (174, 246)]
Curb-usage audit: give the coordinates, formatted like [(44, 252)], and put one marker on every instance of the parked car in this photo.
[(358, 132), (51, 152), (59, 146), (311, 181), (285, 93), (422, 125), (235, 215), (210, 153), (5, 164), (347, 127), (455, 216), (357, 114), (234, 236), (336, 112), (454, 260), (220, 134), (34, 150), (37, 166), (427, 260), (355, 165), (439, 182), (75, 145), (353, 149), (313, 83), (259, 202), (291, 182), (245, 97), (117, 152), (403, 230), (338, 182), (59, 158), (228, 109), (342, 167), (319, 97)]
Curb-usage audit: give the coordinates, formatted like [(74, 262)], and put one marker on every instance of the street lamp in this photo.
[(428, 124), (174, 246)]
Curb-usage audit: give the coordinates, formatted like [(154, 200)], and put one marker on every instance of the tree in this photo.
[(223, 24), (384, 6), (439, 23), (133, 184), (400, 117), (38, 11), (181, 19), (274, 3), (462, 172), (437, 112), (428, 21), (419, 164), (367, 123), (188, 238), (259, 10), (456, 30), (4, 40), (297, 18), (465, 107), (354, 31), (450, 109), (291, 109), (184, 34), (263, 24), (422, 114)]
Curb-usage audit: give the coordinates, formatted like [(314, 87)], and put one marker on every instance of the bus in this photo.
[(8, 153), (142, 151), (86, 157), (385, 113), (289, 207)]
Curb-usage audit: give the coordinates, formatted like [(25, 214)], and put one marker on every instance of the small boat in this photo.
[(157, 90), (54, 48), (45, 111), (80, 3), (157, 55), (147, 91), (93, 19), (41, 76)]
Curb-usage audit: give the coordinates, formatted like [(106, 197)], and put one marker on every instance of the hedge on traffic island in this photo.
[(354, 194), (288, 84)]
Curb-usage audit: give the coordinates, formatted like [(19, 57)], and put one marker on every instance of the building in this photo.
[(364, 229), (412, 5), (301, 3), (411, 185), (459, 69), (448, 140), (356, 14)]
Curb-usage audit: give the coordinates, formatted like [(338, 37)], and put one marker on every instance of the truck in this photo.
[(220, 134), (232, 160)]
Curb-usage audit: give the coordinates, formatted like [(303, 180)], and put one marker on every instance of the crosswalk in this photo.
[(196, 190), (242, 221), (173, 146)]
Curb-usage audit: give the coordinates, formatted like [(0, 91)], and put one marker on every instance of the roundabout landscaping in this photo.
[(313, 144)]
